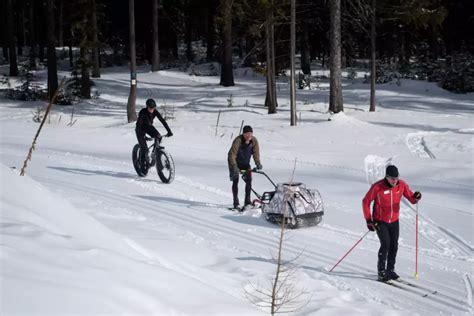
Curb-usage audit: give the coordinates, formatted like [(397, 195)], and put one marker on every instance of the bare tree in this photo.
[(155, 65), (282, 295), (33, 144), (227, 71), (52, 68), (132, 97), (335, 93), (11, 39)]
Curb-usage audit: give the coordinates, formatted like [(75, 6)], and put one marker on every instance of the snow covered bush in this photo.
[(459, 77)]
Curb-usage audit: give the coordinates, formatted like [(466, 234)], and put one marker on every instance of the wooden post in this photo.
[(217, 124), (241, 126)]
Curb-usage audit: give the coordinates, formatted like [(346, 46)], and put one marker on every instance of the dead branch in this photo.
[(48, 109)]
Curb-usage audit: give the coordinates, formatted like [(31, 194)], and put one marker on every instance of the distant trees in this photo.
[(425, 39)]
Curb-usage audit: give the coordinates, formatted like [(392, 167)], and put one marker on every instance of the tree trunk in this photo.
[(335, 94), (211, 32), (52, 70), (60, 23), (71, 56), (85, 79), (95, 39), (188, 36), (40, 22), (250, 59), (155, 66), (11, 40), (132, 97), (305, 51), (32, 35), (271, 97), (227, 71), (21, 27), (292, 65), (372, 59), (3, 29)]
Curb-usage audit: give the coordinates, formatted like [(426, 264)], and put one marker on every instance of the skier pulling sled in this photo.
[(293, 202)]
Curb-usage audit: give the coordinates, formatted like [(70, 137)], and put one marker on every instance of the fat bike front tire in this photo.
[(165, 166)]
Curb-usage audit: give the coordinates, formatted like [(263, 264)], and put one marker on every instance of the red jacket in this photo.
[(386, 201)]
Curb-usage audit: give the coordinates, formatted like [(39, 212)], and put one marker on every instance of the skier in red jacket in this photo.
[(386, 195)]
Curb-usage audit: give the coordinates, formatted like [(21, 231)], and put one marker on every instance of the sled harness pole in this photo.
[(350, 250), (416, 242)]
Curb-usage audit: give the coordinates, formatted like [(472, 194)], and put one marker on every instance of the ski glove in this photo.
[(371, 225), (169, 134), (234, 174), (259, 166), (417, 195)]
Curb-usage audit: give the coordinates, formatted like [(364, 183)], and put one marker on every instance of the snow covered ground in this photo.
[(81, 233)]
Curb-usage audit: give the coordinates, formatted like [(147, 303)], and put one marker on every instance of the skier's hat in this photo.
[(391, 171)]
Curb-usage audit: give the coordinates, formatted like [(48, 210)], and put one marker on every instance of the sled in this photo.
[(292, 202)]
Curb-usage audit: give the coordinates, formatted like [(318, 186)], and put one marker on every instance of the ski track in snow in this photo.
[(201, 224), (416, 144), (313, 258)]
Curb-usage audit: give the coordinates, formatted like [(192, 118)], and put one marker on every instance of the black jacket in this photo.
[(145, 120)]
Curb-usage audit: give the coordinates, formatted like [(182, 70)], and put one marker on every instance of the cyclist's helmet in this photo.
[(151, 103)]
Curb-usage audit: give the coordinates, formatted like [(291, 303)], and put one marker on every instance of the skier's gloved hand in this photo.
[(417, 195), (371, 225), (169, 134), (247, 175), (259, 166), (234, 174)]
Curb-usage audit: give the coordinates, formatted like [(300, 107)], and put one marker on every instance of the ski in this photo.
[(431, 291), (416, 286), (411, 288)]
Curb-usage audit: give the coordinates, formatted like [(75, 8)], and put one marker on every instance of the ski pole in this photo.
[(350, 250), (416, 242)]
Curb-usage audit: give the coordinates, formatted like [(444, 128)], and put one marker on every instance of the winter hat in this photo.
[(391, 171), (247, 128)]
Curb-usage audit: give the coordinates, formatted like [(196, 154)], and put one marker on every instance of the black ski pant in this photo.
[(141, 133), (388, 235), (248, 188)]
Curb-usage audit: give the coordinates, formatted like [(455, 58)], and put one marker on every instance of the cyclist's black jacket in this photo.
[(145, 120)]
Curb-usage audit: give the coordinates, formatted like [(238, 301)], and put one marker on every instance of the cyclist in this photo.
[(145, 126)]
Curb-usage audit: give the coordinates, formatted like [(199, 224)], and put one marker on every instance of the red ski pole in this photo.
[(350, 250), (416, 242)]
